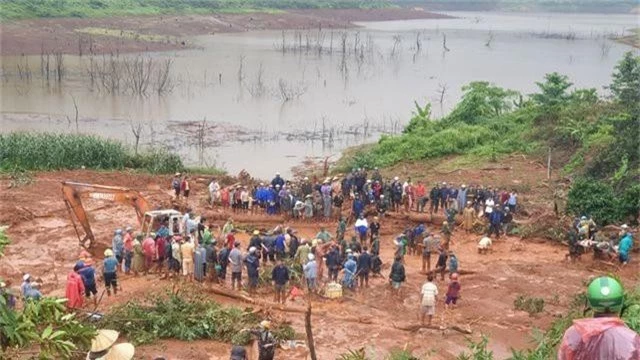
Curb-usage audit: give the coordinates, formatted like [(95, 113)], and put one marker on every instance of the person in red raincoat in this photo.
[(74, 291)]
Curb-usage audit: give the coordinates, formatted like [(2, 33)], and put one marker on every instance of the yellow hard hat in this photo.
[(108, 252), (256, 232), (265, 324)]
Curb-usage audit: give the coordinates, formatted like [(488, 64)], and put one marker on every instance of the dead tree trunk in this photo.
[(307, 328)]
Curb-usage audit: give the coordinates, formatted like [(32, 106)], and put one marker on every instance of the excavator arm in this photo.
[(73, 193)]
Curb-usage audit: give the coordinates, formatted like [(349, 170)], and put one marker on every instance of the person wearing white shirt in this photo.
[(489, 204), (428, 296)]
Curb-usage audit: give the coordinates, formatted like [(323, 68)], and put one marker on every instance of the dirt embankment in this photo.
[(44, 243), (161, 33)]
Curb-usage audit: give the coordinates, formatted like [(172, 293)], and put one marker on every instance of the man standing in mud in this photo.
[(444, 196), (421, 196), (428, 245), (333, 262), (214, 191), (253, 269), (434, 196), (428, 296), (495, 219), (325, 190), (374, 229), (397, 275), (235, 259), (117, 245), (280, 278), (396, 193), (364, 267)]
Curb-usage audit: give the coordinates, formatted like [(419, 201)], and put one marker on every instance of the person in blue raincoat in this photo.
[(358, 207), (462, 197), (625, 245), (350, 268), (270, 200)]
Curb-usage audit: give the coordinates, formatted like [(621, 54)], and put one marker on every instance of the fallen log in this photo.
[(224, 292), (284, 308), (416, 327)]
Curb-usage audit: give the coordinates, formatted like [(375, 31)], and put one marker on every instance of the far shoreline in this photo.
[(127, 34)]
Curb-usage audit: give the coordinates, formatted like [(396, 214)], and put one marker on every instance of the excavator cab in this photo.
[(73, 193), (153, 219)]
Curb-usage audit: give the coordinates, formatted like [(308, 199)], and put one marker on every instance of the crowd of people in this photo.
[(195, 250), (325, 198)]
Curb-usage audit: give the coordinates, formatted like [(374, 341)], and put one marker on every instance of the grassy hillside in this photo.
[(597, 140), (23, 9)]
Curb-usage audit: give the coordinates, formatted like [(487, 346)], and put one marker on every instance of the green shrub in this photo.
[(478, 350), (4, 240), (532, 305), (184, 317), (596, 198)]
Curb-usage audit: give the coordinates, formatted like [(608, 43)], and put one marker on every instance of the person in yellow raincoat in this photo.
[(468, 216), (138, 256)]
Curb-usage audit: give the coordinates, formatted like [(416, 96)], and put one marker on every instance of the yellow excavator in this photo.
[(73, 193)]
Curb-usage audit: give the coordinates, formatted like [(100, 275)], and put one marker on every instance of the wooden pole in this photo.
[(307, 327), (549, 164)]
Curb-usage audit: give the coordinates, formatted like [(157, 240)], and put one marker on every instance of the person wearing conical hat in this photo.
[(103, 347)]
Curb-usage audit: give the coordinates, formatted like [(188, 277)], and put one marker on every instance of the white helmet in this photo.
[(311, 257), (252, 250)]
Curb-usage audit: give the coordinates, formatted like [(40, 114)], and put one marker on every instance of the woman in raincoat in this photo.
[(138, 256)]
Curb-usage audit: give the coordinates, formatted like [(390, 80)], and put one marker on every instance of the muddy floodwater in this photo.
[(265, 101)]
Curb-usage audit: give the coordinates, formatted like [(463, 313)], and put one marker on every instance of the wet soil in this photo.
[(32, 37), (44, 243)]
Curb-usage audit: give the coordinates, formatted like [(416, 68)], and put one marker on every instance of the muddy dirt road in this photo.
[(162, 33), (44, 244)]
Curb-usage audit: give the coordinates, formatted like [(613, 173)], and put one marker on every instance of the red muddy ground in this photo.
[(44, 244), (31, 37)]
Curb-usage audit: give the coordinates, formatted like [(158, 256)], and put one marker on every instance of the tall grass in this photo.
[(49, 151)]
